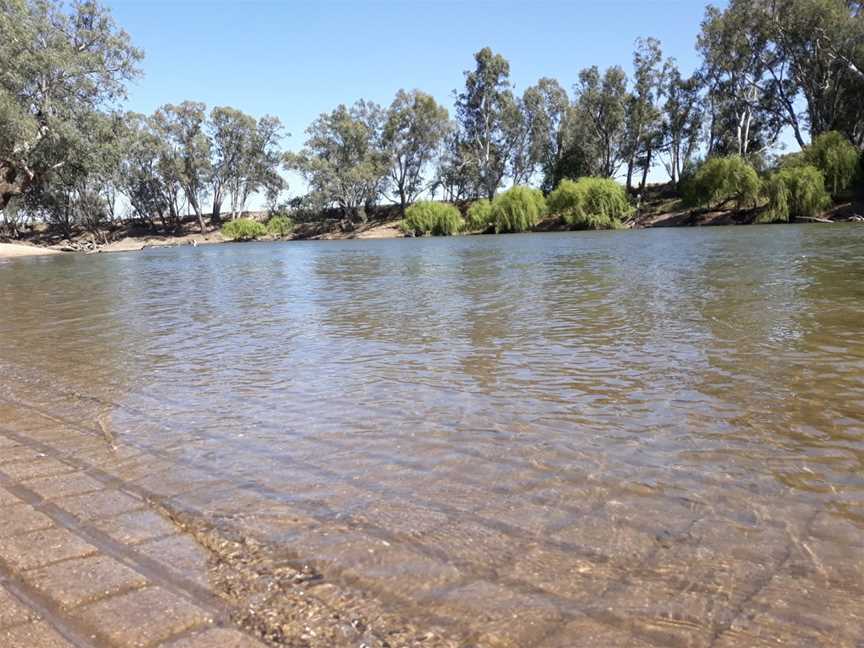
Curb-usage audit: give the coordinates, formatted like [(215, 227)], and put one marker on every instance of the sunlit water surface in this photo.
[(627, 438)]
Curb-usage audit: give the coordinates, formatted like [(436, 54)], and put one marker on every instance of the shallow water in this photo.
[(646, 438)]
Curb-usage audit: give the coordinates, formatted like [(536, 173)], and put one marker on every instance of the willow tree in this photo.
[(58, 65)]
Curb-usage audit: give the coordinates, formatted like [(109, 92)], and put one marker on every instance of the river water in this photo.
[(637, 438)]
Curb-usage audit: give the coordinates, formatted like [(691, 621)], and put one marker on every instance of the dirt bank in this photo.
[(134, 243)]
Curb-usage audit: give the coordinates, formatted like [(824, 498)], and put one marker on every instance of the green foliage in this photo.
[(590, 203), (414, 128), (794, 192), (479, 215), (62, 65), (343, 160), (483, 110), (280, 226), (438, 219), (835, 157), (518, 209), (243, 229), (722, 180)]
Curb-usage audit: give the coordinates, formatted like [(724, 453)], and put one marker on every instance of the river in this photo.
[(641, 438)]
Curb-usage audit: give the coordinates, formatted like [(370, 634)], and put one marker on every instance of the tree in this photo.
[(245, 158), (187, 150), (56, 69), (151, 195), (83, 193), (231, 134), (261, 165), (343, 160), (482, 110), (643, 111), (746, 110), (682, 118), (601, 111), (453, 174), (819, 44), (413, 131), (547, 107)]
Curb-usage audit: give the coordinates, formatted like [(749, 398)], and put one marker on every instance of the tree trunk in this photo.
[(645, 170)]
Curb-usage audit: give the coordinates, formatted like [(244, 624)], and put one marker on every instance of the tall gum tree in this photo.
[(188, 150), (482, 110), (343, 159), (414, 128), (601, 107), (58, 64)]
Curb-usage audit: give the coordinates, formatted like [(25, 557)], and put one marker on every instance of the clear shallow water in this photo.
[(558, 440)]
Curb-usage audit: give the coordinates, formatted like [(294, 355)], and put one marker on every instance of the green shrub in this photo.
[(243, 229), (835, 157), (518, 209), (590, 203), (479, 215), (721, 180), (794, 192), (280, 226), (438, 219)]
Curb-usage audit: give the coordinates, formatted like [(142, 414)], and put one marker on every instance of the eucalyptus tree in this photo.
[(817, 49), (259, 168), (343, 160), (414, 128), (58, 65), (84, 192), (231, 134), (245, 158), (601, 109), (683, 113), (187, 150), (746, 115), (517, 120), (150, 195), (453, 174), (548, 109), (643, 108), (483, 109)]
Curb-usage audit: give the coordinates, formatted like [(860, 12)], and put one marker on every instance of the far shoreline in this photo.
[(127, 240)]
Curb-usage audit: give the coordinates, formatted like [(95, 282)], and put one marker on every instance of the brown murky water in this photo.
[(650, 438)]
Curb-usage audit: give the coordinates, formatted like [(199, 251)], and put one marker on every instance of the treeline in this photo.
[(69, 155)]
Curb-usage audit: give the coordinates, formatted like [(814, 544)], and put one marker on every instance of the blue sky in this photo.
[(296, 60)]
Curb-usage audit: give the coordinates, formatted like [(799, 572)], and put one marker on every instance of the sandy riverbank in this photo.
[(14, 250)]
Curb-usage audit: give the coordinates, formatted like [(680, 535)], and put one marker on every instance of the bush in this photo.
[(479, 215), (438, 219), (836, 158), (243, 229), (794, 192), (518, 209), (280, 226), (590, 203), (721, 180)]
